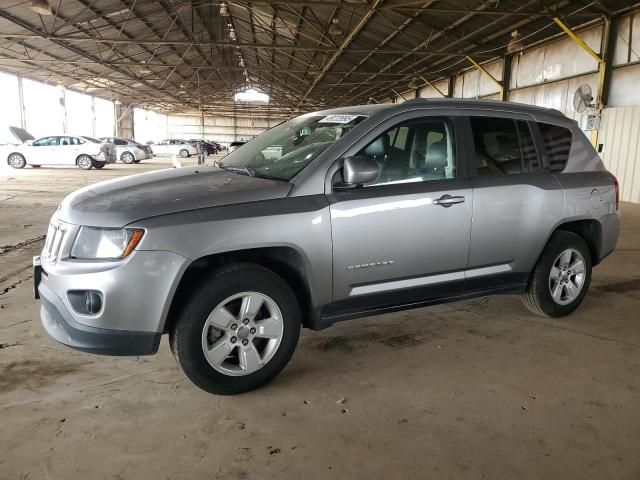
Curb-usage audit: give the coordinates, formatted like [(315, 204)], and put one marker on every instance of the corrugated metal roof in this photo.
[(178, 55)]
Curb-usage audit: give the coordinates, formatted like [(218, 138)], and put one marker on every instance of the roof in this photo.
[(186, 55)]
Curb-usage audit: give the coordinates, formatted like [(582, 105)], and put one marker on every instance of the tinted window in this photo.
[(529, 154), (118, 141), (414, 151), (557, 144)]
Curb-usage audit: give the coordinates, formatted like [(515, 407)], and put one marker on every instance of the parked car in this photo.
[(83, 151), (368, 210), (129, 151), (235, 145), (205, 147), (181, 148)]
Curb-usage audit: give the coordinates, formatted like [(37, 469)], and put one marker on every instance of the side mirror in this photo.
[(359, 170)]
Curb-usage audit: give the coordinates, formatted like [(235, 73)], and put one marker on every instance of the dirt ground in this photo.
[(475, 389)]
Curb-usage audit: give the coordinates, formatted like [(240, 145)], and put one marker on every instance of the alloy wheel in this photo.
[(567, 276), (242, 333)]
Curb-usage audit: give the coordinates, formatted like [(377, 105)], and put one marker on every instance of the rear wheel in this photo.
[(85, 162), (561, 277), (237, 331), (184, 153), (16, 160), (127, 157)]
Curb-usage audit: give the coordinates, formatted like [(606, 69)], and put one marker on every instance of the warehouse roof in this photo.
[(195, 54)]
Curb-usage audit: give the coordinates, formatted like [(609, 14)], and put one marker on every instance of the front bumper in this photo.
[(136, 294), (58, 322)]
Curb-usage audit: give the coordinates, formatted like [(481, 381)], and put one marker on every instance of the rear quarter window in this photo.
[(557, 144)]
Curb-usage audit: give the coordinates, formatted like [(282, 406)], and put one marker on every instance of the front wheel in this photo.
[(238, 330), (127, 157), (561, 277), (17, 161), (85, 162), (184, 153)]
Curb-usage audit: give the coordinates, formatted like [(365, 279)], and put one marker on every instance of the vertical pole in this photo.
[(506, 78), (63, 101), (23, 115), (93, 116), (451, 85)]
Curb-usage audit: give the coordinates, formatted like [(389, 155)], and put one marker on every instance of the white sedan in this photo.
[(181, 148), (85, 152), (129, 151)]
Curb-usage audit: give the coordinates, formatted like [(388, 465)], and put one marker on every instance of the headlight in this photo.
[(103, 243)]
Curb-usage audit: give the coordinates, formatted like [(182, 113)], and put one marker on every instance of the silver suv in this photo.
[(332, 215)]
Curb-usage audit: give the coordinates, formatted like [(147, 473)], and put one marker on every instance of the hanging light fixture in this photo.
[(516, 44), (334, 28), (144, 68), (41, 7), (232, 34), (224, 10)]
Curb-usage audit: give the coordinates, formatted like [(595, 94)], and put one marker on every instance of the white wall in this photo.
[(220, 128)]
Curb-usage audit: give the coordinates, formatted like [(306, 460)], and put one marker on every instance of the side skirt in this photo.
[(324, 318)]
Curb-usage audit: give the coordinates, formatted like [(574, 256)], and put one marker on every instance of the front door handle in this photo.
[(447, 200)]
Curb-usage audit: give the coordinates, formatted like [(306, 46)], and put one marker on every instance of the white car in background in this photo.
[(129, 151), (85, 152), (181, 148)]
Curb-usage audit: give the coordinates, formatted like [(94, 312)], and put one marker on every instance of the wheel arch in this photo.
[(285, 261), (589, 229)]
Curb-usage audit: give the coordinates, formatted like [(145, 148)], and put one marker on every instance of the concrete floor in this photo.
[(475, 389)]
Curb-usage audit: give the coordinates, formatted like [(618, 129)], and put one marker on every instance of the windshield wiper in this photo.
[(238, 169)]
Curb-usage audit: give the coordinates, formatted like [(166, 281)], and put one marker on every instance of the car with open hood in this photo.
[(77, 150)]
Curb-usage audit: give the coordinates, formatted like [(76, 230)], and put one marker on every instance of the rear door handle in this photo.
[(447, 200)]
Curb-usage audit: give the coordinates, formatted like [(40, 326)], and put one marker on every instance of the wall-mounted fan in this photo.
[(582, 98)]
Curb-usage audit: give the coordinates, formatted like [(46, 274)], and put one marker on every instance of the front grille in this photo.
[(54, 242)]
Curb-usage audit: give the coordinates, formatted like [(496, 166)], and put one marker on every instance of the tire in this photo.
[(192, 333), (85, 162), (16, 160), (564, 269), (99, 165), (184, 153), (127, 157)]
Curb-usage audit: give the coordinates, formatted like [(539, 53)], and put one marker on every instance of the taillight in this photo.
[(617, 185)]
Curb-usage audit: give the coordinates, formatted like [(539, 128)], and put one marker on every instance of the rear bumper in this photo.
[(59, 324), (610, 231)]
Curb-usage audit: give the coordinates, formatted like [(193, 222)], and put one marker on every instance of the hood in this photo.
[(21, 134), (118, 202)]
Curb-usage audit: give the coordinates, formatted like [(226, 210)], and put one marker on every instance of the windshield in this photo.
[(281, 152)]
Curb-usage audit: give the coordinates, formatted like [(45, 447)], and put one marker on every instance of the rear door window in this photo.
[(557, 144), (497, 146)]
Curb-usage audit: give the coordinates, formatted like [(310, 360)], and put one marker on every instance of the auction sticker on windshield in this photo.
[(339, 119)]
